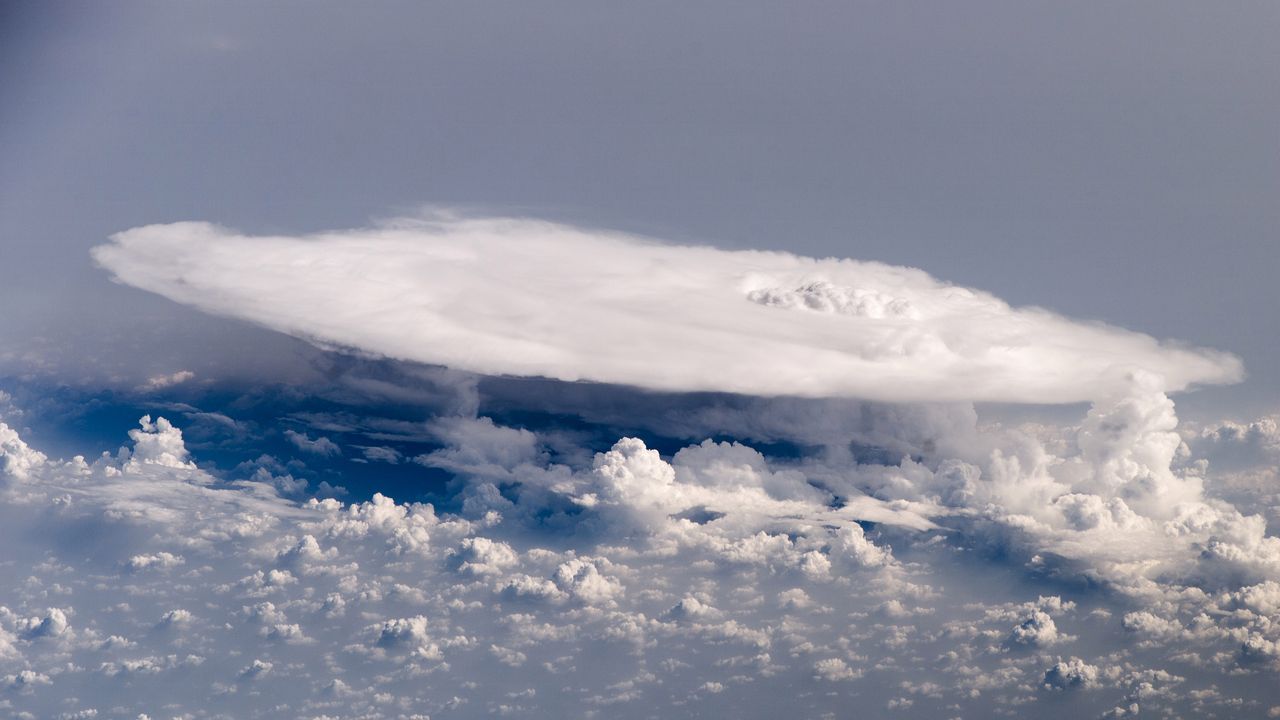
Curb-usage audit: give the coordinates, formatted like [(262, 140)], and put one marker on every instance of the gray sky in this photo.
[(1110, 161), (602, 548)]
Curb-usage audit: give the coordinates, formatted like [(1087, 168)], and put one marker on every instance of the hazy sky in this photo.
[(1113, 161), (278, 472)]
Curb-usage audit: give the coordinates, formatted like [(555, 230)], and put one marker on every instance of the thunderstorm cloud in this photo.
[(528, 298)]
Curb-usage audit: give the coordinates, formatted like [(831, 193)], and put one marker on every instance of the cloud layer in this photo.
[(529, 298), (715, 582), (908, 555)]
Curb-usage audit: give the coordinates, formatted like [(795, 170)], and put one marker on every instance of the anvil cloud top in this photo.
[(530, 298)]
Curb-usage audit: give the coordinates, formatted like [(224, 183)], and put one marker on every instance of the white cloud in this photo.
[(160, 382), (53, 623), (482, 556), (522, 297), (320, 446), (381, 454), (1071, 674), (17, 459), (160, 560), (1037, 629), (25, 681), (833, 669), (256, 669), (710, 568), (159, 444)]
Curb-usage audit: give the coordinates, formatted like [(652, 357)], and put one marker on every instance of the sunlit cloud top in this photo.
[(504, 296)]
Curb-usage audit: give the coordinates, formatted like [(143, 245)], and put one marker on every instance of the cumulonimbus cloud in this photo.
[(505, 296)]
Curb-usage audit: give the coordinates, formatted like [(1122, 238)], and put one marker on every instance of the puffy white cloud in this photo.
[(1263, 598), (256, 669), (1236, 446), (520, 297), (1071, 674), (710, 568), (833, 669), (407, 527), (851, 543), (53, 623), (406, 635), (1239, 461), (158, 443), (691, 608), (174, 618), (17, 459), (1037, 630), (161, 560), (727, 494), (25, 681), (258, 592), (1108, 502), (1152, 626), (482, 556)]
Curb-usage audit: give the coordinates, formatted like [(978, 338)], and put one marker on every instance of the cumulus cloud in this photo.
[(508, 296), (719, 570), (1071, 674), (1037, 629), (833, 669), (1242, 460), (202, 597), (158, 443), (17, 459)]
